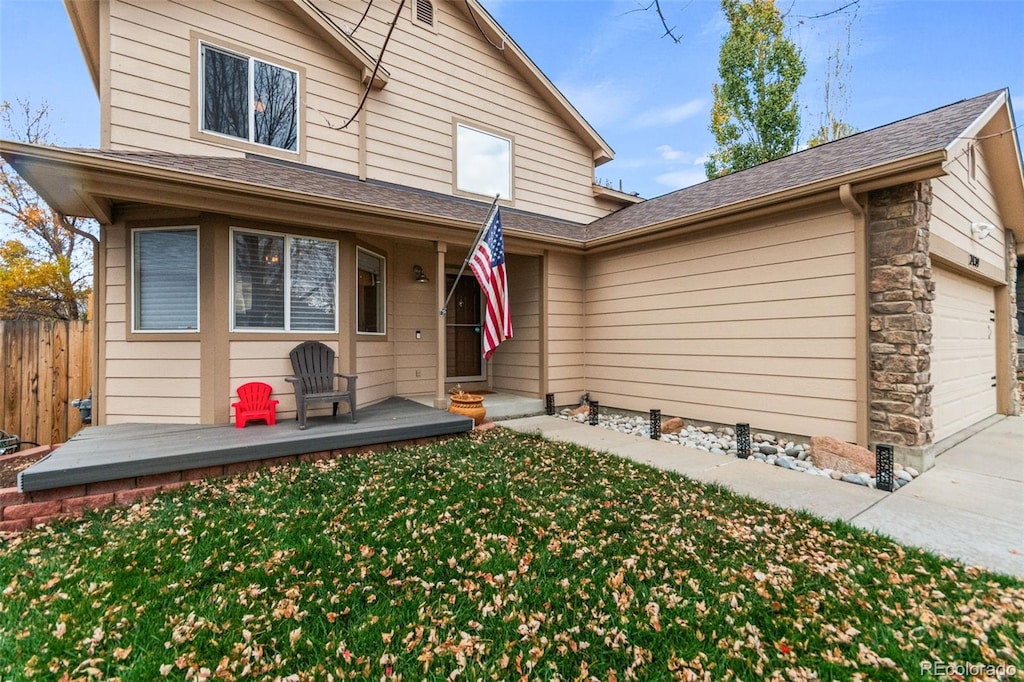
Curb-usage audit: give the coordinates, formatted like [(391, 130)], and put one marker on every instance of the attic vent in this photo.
[(425, 12)]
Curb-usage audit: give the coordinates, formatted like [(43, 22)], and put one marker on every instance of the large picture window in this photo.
[(284, 283), (165, 280), (483, 162), (249, 99), (370, 284)]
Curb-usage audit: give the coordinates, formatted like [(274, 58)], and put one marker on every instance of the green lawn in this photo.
[(494, 556)]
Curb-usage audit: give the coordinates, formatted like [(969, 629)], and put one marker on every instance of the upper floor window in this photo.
[(483, 162), (165, 280), (284, 283), (249, 99)]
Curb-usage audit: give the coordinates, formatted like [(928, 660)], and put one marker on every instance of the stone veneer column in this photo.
[(901, 292)]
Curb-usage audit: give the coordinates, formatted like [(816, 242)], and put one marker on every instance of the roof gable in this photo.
[(921, 141), (529, 71), (349, 49)]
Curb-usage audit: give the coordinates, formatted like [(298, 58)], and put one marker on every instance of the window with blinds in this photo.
[(284, 283), (370, 301), (165, 280)]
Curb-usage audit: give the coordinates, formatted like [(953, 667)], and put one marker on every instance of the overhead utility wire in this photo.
[(365, 12), (472, 15), (373, 77), (978, 138)]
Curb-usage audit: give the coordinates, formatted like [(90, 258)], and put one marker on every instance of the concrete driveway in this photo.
[(970, 506)]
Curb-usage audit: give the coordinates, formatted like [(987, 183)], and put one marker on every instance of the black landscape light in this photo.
[(883, 467), (742, 441)]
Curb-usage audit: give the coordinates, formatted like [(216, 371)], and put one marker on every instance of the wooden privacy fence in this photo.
[(44, 365)]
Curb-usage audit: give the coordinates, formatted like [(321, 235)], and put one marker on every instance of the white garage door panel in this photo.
[(964, 353)]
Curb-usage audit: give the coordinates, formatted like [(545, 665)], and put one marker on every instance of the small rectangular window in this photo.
[(249, 99), (370, 273), (284, 283), (165, 280), (483, 162)]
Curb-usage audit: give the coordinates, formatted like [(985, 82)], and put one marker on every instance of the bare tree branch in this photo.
[(669, 31), (838, 10)]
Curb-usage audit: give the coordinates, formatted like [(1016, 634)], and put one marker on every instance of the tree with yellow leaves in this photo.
[(45, 258), (755, 116)]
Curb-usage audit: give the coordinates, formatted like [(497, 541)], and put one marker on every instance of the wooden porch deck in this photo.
[(107, 453)]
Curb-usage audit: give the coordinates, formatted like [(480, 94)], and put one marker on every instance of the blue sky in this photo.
[(649, 97)]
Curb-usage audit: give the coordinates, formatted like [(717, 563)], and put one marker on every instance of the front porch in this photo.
[(117, 452)]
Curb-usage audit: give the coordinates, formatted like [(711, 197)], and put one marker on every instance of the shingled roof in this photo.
[(807, 172), (258, 171), (928, 132)]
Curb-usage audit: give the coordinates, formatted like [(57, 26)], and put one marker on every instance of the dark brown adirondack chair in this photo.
[(313, 364)]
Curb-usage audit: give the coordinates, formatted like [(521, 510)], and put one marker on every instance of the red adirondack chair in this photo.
[(254, 403)]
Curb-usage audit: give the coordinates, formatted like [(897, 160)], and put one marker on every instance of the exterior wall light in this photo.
[(982, 230), (418, 273)]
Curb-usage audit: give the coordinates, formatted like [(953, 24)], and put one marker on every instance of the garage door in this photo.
[(964, 353)]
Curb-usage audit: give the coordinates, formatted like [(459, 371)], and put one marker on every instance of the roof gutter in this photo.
[(918, 167)]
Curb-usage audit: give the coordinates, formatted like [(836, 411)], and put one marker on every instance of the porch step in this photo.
[(499, 406), (506, 406)]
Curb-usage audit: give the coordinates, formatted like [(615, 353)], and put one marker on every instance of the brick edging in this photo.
[(22, 511)]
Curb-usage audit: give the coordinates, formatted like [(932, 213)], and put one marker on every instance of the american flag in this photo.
[(488, 264)]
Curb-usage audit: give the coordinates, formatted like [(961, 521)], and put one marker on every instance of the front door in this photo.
[(463, 329)]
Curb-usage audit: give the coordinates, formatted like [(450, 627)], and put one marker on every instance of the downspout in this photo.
[(862, 311)]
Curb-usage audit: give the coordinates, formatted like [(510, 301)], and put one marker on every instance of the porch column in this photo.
[(440, 400)]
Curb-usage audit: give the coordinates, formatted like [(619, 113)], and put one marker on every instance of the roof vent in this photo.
[(425, 12)]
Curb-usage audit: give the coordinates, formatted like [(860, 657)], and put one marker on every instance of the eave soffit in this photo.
[(85, 20)]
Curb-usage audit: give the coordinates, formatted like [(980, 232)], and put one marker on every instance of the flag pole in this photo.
[(472, 250)]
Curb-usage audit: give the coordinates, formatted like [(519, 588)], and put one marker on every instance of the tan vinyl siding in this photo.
[(375, 365), (414, 308), (566, 327), (147, 381), (959, 200), (454, 73), (152, 381), (265, 361), (152, 76), (436, 78), (515, 367), (751, 324)]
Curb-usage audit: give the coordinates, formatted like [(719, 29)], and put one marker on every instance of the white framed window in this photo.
[(371, 300), (483, 162), (165, 279), (283, 282), (248, 99)]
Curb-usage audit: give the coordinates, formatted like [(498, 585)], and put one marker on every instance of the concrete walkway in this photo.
[(970, 506)]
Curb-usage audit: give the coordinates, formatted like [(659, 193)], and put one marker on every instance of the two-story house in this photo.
[(277, 171)]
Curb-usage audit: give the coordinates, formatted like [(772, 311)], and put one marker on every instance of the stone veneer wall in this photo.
[(901, 292)]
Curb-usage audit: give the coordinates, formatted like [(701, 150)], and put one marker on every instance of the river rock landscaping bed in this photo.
[(721, 440)]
